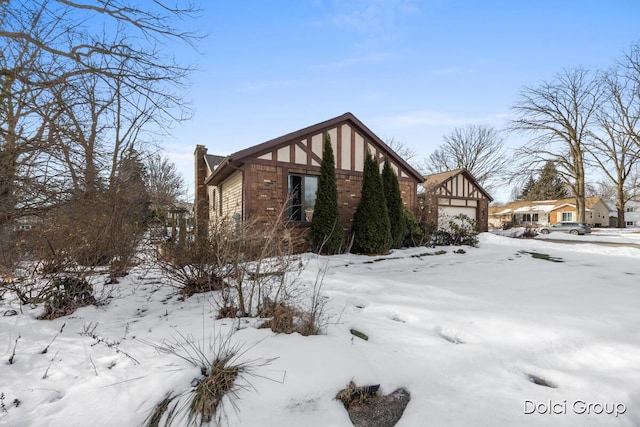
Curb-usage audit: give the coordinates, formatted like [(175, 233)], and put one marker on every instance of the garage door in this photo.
[(448, 212)]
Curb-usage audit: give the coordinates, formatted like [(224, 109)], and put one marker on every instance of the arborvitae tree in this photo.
[(394, 205), (371, 228), (327, 234)]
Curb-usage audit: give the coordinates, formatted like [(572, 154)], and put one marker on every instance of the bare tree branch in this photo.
[(558, 115), (477, 148)]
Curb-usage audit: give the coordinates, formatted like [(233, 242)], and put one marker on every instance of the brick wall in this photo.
[(266, 191)]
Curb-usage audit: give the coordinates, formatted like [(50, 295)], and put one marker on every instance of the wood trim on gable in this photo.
[(350, 138)]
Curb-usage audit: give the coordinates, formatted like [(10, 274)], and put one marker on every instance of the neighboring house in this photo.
[(548, 212), (180, 214), (448, 194), (521, 213), (282, 173), (26, 223), (632, 213)]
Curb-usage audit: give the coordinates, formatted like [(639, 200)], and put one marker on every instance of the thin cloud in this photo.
[(433, 118), (357, 60), (257, 86), (368, 16), (452, 71)]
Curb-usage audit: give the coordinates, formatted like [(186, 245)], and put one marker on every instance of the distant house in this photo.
[(451, 193), (548, 212), (26, 223), (632, 213), (282, 173)]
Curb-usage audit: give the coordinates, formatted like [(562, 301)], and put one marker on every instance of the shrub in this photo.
[(292, 314), (530, 232), (417, 233), (64, 294), (461, 230), (193, 266)]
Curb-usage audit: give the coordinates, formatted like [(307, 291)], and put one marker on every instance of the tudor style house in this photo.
[(451, 193), (282, 173), (539, 213)]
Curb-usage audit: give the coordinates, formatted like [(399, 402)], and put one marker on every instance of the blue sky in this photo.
[(412, 70)]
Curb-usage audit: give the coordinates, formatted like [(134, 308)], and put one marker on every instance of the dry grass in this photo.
[(357, 395), (224, 372), (217, 382)]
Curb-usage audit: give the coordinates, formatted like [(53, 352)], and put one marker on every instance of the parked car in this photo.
[(568, 227)]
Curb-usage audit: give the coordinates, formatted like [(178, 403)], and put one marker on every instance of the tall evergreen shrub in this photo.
[(327, 234), (371, 228), (395, 207)]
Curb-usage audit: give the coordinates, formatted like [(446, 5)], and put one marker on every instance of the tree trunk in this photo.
[(580, 187), (620, 222)]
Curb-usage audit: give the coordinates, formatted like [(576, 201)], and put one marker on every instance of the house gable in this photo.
[(450, 193), (351, 140), (458, 183)]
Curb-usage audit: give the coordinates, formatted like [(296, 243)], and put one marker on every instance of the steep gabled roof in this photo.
[(229, 163), (213, 161), (433, 181)]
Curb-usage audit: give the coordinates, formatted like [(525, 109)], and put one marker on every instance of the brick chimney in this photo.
[(201, 202)]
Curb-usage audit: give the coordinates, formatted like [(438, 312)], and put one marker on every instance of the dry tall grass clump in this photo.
[(225, 370)]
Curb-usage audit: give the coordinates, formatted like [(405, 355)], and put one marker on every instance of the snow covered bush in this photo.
[(461, 230)]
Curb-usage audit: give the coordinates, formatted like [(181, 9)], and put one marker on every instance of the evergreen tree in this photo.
[(394, 205), (548, 186), (327, 234), (528, 187), (371, 228)]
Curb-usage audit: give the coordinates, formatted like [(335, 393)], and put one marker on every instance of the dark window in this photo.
[(302, 196)]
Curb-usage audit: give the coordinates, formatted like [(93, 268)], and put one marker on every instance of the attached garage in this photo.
[(452, 193), (448, 212)]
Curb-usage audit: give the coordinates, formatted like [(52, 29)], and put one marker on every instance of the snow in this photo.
[(536, 208), (574, 324)]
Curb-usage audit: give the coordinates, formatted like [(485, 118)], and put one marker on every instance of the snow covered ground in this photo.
[(467, 334)]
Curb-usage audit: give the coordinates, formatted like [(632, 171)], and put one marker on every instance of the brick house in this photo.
[(454, 192), (282, 173)]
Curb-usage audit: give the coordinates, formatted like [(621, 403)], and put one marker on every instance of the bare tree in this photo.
[(64, 32), (48, 46), (164, 183), (80, 81), (613, 144), (405, 151), (478, 148), (559, 115)]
